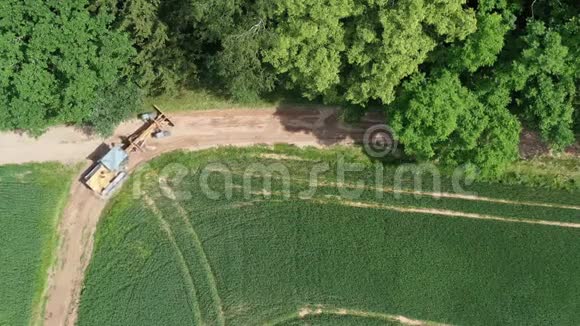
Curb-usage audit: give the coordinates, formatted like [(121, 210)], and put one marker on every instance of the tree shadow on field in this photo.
[(334, 125)]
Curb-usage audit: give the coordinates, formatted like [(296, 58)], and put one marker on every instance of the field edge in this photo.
[(49, 249)]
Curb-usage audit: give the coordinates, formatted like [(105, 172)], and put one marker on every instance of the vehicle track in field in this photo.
[(321, 310), (456, 214), (432, 194), (186, 275), (453, 196), (208, 271)]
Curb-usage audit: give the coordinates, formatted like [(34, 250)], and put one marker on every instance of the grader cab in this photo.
[(110, 171)]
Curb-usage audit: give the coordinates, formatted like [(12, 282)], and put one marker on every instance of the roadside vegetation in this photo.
[(32, 197), (560, 172), (167, 254), (199, 99), (458, 79)]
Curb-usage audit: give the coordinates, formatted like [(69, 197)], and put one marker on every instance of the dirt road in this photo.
[(194, 131)]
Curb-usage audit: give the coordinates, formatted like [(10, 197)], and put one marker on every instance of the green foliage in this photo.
[(481, 48), (544, 74), (163, 63), (550, 104), (216, 18), (366, 48), (234, 35), (410, 30), (499, 143), (114, 105), (149, 36), (570, 33), (31, 199), (505, 74), (437, 116), (546, 172), (59, 57), (310, 42), (239, 65), (270, 257)]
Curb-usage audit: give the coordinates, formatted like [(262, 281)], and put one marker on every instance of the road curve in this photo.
[(193, 131)]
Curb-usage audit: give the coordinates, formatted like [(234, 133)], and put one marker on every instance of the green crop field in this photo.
[(351, 253), (31, 199)]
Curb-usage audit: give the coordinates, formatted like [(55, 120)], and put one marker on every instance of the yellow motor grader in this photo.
[(109, 172)]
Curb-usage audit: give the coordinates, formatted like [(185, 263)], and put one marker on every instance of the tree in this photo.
[(361, 48), (437, 117), (544, 75), (113, 105), (481, 48), (457, 111), (234, 36), (389, 40), (310, 43), (161, 63), (239, 65), (58, 57), (498, 144)]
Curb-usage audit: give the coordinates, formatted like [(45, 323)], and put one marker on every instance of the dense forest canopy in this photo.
[(458, 79)]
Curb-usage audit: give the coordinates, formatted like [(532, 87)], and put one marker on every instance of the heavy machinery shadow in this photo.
[(94, 157), (99, 152)]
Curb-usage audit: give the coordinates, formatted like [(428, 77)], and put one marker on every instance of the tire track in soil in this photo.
[(320, 310), (450, 213), (434, 194), (208, 271), (460, 196), (187, 278)]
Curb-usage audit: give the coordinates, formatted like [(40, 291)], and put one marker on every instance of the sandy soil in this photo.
[(387, 318), (193, 131)]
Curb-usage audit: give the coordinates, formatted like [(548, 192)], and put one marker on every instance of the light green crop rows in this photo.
[(322, 260), (31, 199)]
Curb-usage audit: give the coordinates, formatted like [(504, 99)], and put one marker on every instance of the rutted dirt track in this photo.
[(194, 131)]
